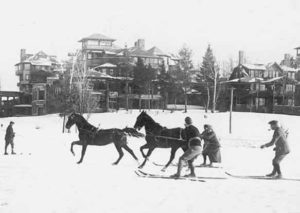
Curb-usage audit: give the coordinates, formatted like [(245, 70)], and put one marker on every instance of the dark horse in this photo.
[(159, 137), (90, 135)]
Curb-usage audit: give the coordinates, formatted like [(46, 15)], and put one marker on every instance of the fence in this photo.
[(290, 110)]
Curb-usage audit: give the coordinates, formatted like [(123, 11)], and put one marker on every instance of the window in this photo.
[(257, 86), (89, 56), (41, 95), (26, 66), (290, 102), (290, 87), (105, 43), (260, 102), (92, 42), (111, 72), (57, 90), (27, 77), (262, 87)]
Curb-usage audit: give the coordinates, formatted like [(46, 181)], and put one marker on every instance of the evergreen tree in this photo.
[(143, 76), (209, 72)]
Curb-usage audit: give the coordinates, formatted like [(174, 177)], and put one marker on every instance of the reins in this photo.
[(165, 137)]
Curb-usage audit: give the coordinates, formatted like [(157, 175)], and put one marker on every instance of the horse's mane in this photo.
[(150, 119), (85, 123)]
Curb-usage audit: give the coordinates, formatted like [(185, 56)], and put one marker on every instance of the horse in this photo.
[(158, 136), (90, 135)]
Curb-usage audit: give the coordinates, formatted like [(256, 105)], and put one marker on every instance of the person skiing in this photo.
[(281, 148), (211, 147), (194, 148), (9, 138)]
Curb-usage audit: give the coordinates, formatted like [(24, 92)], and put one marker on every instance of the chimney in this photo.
[(241, 57), (22, 55), (287, 57), (140, 43)]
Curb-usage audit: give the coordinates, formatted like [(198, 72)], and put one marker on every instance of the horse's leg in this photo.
[(146, 146), (120, 151), (75, 143), (126, 147), (83, 150), (172, 156), (147, 157)]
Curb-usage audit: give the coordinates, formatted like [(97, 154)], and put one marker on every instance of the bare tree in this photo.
[(185, 54), (80, 85)]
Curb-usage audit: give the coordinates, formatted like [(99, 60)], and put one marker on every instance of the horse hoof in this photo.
[(114, 164), (79, 162), (164, 170)]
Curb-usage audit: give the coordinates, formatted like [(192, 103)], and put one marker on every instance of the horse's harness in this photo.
[(165, 137)]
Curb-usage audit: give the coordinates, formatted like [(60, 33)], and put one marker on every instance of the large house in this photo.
[(35, 71), (260, 87), (111, 68)]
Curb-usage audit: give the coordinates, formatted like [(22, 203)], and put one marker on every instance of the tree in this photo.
[(80, 85), (164, 84), (143, 76), (186, 64), (210, 73)]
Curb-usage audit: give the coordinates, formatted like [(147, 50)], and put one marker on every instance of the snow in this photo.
[(46, 178)]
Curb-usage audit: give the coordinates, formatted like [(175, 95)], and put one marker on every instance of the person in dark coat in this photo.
[(9, 138), (281, 148), (194, 148), (211, 146)]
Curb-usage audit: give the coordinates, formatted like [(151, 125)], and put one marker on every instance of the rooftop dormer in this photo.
[(97, 42)]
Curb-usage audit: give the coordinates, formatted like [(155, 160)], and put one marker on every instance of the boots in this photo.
[(272, 174), (178, 173)]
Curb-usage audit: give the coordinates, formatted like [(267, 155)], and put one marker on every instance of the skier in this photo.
[(281, 148), (194, 148), (9, 138), (211, 146)]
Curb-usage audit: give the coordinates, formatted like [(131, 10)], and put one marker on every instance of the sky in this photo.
[(264, 29)]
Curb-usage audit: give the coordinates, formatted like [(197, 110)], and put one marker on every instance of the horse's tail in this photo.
[(133, 132)]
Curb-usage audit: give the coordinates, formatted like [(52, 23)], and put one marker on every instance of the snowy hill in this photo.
[(46, 178)]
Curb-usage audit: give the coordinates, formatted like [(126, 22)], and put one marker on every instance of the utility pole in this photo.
[(230, 115), (215, 91)]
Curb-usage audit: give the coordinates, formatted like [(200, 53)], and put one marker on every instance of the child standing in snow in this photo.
[(281, 148)]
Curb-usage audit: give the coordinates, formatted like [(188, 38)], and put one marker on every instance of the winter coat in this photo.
[(210, 139), (280, 141), (9, 133), (193, 135)]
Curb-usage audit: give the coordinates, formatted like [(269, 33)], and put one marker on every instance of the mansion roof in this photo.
[(97, 36), (41, 59)]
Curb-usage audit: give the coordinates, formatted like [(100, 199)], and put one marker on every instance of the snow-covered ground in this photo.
[(44, 176)]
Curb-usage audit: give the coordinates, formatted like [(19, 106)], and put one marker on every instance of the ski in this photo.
[(154, 176), (259, 177), (198, 166), (198, 177)]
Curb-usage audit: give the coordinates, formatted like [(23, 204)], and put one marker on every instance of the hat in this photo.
[(207, 126), (188, 120), (12, 122), (273, 122)]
